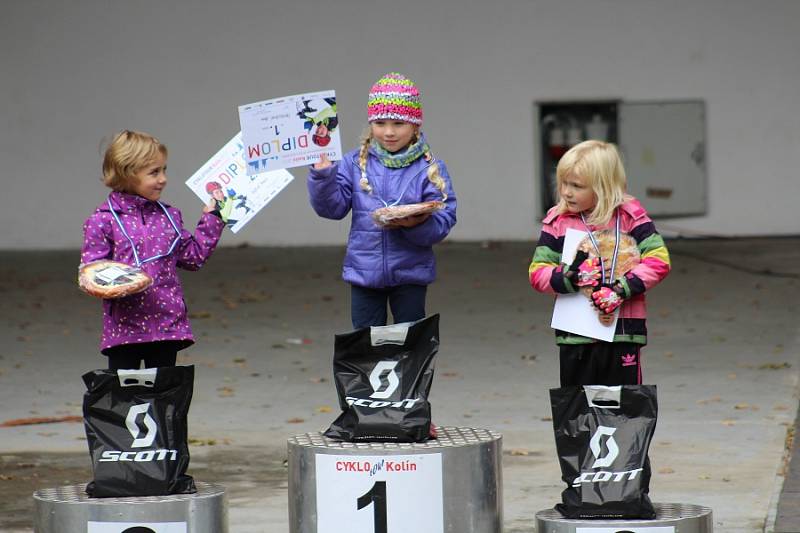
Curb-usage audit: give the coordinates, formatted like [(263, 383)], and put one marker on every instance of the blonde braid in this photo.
[(435, 177), (362, 160)]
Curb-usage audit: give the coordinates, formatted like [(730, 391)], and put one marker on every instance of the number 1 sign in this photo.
[(379, 494)]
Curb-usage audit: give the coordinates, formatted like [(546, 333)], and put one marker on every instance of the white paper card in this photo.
[(369, 493), (290, 131), (574, 312), (109, 274), (237, 195), (149, 527)]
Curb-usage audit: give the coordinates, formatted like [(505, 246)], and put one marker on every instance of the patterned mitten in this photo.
[(606, 299), (584, 272)]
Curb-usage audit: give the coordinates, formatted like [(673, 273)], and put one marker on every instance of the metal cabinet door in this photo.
[(663, 146)]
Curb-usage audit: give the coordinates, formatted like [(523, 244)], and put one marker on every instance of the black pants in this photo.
[(600, 363), (154, 354), (368, 306)]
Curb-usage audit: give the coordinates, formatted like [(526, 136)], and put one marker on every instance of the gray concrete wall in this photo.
[(74, 72)]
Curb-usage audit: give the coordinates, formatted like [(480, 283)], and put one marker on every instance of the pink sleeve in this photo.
[(96, 242), (194, 250)]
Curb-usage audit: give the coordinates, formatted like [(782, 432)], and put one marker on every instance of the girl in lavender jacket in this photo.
[(133, 227), (393, 166)]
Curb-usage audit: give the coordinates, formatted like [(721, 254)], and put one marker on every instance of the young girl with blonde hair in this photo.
[(134, 227), (394, 165), (592, 198)]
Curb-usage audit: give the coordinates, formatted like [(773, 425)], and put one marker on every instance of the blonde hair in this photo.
[(433, 169), (600, 164), (127, 154)]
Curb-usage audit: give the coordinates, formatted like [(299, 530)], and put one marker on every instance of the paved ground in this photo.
[(788, 510), (724, 351)]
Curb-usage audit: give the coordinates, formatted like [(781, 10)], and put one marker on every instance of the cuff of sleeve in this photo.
[(214, 220), (568, 284), (623, 282), (560, 283), (324, 173), (633, 284)]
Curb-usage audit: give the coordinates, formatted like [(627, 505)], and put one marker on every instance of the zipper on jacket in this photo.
[(384, 245)]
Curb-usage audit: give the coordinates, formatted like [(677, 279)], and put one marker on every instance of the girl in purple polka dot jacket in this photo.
[(132, 226)]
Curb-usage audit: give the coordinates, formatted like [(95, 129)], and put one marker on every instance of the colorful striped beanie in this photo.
[(394, 97)]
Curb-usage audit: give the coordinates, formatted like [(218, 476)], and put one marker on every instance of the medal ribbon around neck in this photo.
[(597, 247), (139, 262)]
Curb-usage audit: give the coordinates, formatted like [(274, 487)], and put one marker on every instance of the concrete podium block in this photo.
[(670, 518), (452, 484), (70, 509)]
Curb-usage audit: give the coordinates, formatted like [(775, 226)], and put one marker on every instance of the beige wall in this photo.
[(76, 71)]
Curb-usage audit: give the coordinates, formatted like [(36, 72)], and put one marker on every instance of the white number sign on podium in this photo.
[(379, 494)]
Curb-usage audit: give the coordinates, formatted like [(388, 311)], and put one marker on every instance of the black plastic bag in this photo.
[(602, 438), (383, 376), (136, 428)]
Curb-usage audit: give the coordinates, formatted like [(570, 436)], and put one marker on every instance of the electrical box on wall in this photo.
[(662, 146)]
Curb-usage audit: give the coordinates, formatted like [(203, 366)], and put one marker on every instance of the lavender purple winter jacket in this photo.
[(379, 258), (158, 313)]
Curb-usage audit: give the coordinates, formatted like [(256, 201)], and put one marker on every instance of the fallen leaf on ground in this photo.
[(518, 452), (202, 442), (295, 420), (774, 366), (324, 409), (225, 392), (200, 314), (709, 400), (317, 380), (666, 470), (728, 422), (40, 420)]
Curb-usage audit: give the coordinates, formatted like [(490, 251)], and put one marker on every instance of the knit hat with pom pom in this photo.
[(394, 97)]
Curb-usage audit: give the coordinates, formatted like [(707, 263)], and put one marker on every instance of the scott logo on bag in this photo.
[(392, 381), (612, 451), (384, 382), (140, 441)]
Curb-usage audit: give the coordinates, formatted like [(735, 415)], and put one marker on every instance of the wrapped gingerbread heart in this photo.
[(627, 258), (112, 279), (627, 255), (385, 215)]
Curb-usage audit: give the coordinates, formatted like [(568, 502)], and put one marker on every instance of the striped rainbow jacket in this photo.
[(546, 272)]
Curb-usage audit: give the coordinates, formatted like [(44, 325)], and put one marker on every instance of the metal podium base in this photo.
[(462, 483), (69, 508), (683, 518)]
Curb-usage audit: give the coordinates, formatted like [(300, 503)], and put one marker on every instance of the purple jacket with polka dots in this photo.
[(158, 313)]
